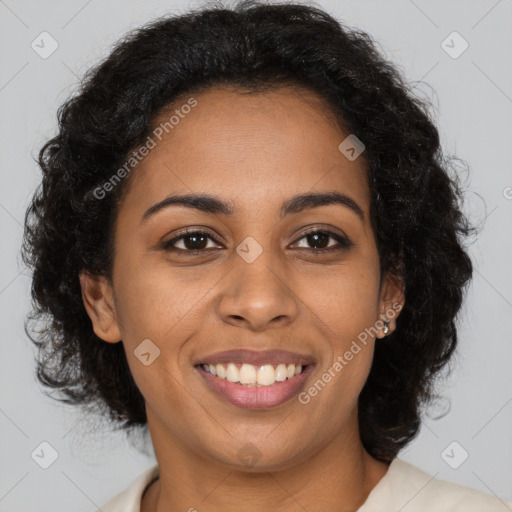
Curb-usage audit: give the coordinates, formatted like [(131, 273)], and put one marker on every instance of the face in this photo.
[(258, 270)]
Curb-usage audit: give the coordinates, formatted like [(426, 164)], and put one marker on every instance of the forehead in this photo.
[(249, 148)]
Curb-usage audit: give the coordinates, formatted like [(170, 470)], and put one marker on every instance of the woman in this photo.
[(247, 242)]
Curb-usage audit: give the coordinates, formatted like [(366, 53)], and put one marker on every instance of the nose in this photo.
[(258, 295)]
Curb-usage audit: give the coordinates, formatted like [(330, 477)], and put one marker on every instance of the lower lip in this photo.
[(252, 397)]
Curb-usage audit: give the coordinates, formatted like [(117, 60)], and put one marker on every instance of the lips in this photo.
[(253, 396)]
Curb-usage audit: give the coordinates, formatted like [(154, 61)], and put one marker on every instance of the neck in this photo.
[(338, 477)]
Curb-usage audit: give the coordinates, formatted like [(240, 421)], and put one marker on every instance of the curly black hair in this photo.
[(416, 199)]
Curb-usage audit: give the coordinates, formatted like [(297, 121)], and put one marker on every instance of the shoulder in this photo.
[(407, 488), (129, 499)]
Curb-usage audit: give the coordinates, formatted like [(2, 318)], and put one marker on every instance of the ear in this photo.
[(98, 299), (391, 302)]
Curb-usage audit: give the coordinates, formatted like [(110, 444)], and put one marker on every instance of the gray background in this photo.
[(473, 107)]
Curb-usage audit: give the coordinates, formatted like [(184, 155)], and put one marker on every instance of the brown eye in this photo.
[(320, 239), (192, 241)]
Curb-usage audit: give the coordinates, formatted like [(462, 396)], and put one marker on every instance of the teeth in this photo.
[(221, 371), (232, 374), (250, 375), (281, 372), (266, 375), (247, 374)]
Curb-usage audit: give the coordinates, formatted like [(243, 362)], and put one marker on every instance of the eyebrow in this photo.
[(216, 206)]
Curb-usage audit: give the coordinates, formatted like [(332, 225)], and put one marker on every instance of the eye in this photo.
[(321, 237), (191, 241)]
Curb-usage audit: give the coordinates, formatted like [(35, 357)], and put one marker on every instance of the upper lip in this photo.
[(256, 357)]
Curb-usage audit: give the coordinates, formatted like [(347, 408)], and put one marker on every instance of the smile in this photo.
[(255, 379)]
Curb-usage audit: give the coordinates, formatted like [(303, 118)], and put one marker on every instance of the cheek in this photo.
[(152, 304), (346, 301), (347, 306)]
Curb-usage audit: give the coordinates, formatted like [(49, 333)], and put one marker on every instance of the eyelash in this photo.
[(344, 243)]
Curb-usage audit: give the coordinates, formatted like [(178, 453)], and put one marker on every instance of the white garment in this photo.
[(404, 488)]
